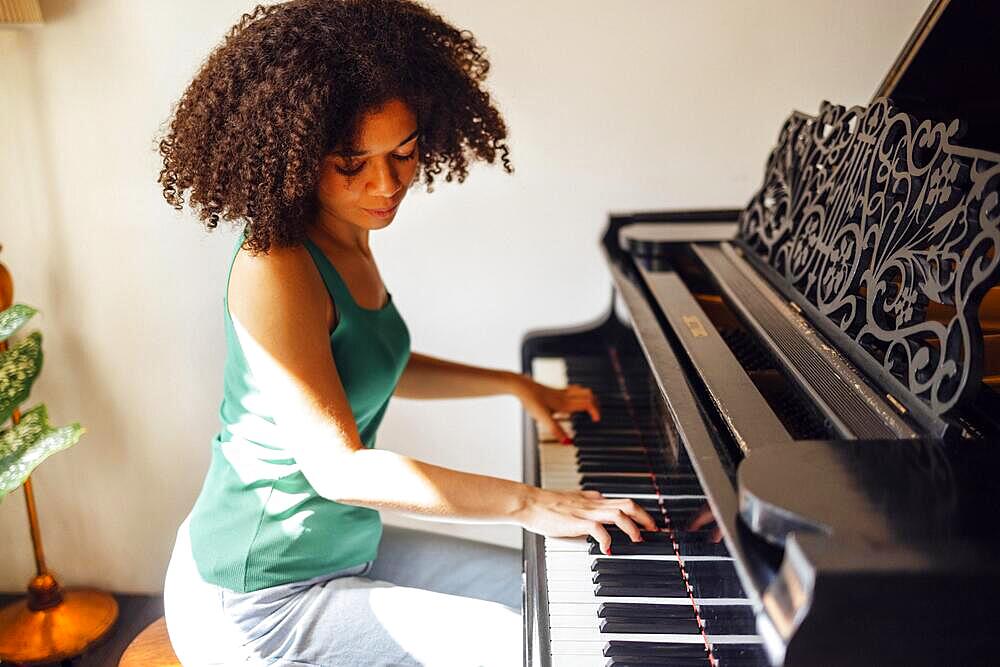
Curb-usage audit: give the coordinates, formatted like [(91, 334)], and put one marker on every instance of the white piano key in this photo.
[(550, 371), (566, 544), (589, 597), (564, 609), (550, 453), (579, 661), (578, 648), (561, 486), (558, 477), (563, 585), (574, 620)]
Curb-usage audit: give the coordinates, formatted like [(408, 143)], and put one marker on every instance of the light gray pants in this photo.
[(426, 600)]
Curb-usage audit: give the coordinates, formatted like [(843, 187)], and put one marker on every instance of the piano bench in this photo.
[(150, 648)]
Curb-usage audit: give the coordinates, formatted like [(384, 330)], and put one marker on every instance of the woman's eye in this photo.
[(352, 170), (408, 156)]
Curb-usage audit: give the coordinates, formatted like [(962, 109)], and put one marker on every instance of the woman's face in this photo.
[(364, 184)]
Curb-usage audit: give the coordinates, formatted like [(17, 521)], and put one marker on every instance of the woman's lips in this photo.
[(381, 212)]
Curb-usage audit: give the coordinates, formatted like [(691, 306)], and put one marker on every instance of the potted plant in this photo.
[(50, 623)]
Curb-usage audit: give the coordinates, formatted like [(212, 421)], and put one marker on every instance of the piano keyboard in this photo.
[(673, 599)]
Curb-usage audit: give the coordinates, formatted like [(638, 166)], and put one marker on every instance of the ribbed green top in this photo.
[(257, 522)]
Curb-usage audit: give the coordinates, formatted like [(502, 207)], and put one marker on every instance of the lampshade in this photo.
[(20, 11)]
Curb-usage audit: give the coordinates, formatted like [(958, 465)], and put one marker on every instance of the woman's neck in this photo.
[(344, 236)]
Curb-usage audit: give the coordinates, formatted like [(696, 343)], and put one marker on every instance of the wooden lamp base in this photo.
[(53, 624)]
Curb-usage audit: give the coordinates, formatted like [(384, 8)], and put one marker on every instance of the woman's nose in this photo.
[(385, 181)]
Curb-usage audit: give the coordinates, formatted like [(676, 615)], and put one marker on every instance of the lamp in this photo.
[(51, 623), (20, 11)]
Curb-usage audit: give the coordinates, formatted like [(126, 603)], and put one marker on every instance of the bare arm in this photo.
[(430, 377), (278, 304)]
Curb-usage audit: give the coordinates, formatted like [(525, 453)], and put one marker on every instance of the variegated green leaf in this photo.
[(19, 366), (25, 446), (13, 319)]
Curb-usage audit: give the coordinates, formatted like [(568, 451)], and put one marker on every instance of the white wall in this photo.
[(611, 106)]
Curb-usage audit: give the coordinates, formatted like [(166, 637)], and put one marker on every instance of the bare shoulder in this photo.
[(282, 279)]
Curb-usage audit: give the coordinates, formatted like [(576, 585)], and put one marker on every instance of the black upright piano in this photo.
[(804, 393)]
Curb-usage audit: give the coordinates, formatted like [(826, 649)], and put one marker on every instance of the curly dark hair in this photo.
[(291, 82)]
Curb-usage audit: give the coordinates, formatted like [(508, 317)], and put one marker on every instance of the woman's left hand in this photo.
[(544, 403)]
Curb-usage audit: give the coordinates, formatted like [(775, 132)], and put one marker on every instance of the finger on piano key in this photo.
[(551, 371)]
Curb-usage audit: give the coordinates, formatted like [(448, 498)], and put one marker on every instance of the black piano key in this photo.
[(740, 655), (636, 549), (647, 661), (612, 425), (620, 539), (622, 488), (633, 578), (588, 468), (646, 653), (635, 566), (680, 626), (743, 624), (705, 582), (638, 461), (621, 439), (674, 589), (678, 535), (662, 549), (703, 549), (617, 410), (609, 422), (644, 610), (711, 568), (664, 651), (661, 479), (586, 443), (615, 455), (674, 505), (644, 487), (713, 584), (703, 587), (701, 535), (716, 587)]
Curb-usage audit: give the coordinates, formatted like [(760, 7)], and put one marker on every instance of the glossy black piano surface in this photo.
[(852, 476)]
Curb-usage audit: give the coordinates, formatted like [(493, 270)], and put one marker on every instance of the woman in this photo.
[(309, 123)]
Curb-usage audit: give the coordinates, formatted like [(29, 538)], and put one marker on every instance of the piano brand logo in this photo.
[(695, 326)]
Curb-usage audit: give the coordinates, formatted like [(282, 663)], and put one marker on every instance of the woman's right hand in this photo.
[(575, 513)]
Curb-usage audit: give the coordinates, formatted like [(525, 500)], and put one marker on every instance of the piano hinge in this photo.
[(896, 404), (794, 306)]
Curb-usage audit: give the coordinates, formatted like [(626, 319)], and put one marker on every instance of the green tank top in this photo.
[(257, 522)]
